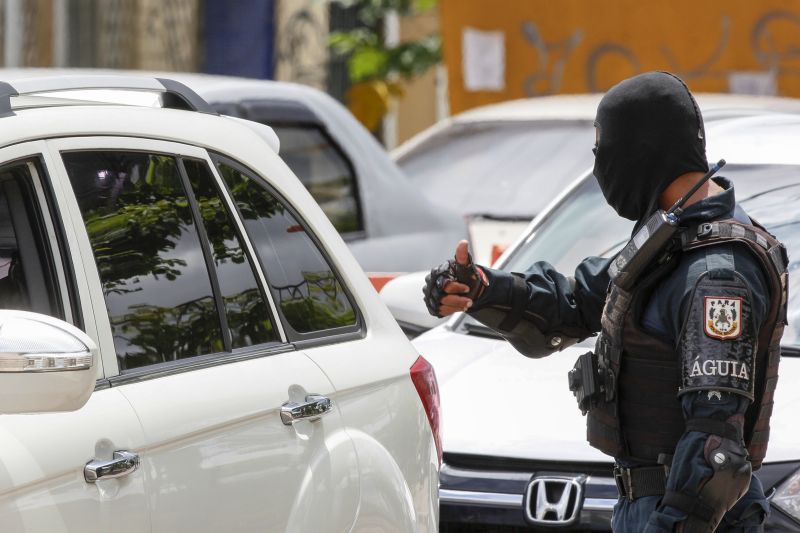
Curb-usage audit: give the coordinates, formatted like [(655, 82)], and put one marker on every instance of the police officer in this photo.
[(679, 387)]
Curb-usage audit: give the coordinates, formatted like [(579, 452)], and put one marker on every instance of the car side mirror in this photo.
[(45, 364)]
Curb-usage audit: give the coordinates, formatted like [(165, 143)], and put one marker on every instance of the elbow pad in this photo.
[(719, 493), (522, 328), (523, 334)]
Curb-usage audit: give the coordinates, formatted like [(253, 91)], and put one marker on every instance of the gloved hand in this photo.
[(453, 286)]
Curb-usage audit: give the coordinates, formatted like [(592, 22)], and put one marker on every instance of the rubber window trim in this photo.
[(53, 210), (293, 336)]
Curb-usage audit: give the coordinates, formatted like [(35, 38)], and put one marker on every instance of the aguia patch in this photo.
[(723, 317)]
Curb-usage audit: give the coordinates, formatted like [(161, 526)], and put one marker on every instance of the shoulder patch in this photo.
[(723, 317), (718, 341)]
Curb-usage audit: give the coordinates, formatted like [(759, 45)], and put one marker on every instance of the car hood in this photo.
[(497, 402)]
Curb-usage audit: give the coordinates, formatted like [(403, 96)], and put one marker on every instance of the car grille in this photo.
[(491, 494)]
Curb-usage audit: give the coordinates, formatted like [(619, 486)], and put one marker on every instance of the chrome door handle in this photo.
[(314, 407), (122, 464)]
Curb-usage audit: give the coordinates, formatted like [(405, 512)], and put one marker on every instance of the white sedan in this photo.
[(186, 343), (511, 422)]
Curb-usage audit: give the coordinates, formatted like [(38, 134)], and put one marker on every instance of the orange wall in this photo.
[(588, 45)]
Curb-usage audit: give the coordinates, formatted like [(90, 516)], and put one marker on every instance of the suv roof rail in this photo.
[(176, 95)]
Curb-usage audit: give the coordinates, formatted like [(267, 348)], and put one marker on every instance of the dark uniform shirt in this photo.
[(579, 303)]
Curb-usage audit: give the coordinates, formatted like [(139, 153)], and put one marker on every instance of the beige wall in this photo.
[(418, 108), (579, 46), (301, 42), (143, 34)]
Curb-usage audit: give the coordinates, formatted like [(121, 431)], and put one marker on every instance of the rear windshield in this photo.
[(505, 170)]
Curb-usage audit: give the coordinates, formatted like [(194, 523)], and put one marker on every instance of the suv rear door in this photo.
[(398, 472), (43, 458), (187, 325)]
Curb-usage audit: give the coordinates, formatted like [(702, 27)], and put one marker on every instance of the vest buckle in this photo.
[(704, 230), (622, 478)]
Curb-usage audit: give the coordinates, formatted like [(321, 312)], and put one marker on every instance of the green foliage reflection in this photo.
[(141, 230), (316, 301)]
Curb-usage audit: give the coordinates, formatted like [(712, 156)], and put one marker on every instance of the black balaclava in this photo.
[(650, 132)]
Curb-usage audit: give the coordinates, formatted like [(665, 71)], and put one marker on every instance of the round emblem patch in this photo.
[(723, 317)]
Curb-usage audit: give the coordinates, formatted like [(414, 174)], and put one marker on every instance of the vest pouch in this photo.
[(590, 382)]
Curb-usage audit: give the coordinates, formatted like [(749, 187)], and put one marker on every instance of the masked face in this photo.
[(649, 132)]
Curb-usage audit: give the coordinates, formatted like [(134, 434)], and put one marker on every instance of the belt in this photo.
[(642, 481)]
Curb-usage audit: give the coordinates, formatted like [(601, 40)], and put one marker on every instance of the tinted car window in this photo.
[(246, 310), (146, 245), (26, 275), (324, 171), (306, 289)]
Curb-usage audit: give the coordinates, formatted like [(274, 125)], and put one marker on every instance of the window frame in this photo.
[(249, 251), (112, 375), (323, 130), (315, 338), (50, 234)]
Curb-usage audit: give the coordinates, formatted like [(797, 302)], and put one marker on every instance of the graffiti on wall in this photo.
[(580, 46), (772, 55)]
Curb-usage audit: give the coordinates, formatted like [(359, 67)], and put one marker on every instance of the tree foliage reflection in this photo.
[(148, 255)]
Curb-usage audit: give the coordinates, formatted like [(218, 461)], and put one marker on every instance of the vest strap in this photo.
[(732, 229), (714, 427), (689, 504)]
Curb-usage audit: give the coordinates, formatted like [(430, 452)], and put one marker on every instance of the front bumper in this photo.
[(491, 491), (489, 494)]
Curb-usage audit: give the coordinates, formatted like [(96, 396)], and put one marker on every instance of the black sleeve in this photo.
[(553, 300), (723, 314)]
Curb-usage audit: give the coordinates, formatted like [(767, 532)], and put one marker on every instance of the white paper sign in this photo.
[(484, 60), (758, 83)]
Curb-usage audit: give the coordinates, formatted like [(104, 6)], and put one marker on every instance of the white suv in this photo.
[(201, 349)]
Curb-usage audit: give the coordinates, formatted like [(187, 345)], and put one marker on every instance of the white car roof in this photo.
[(765, 139), (752, 140), (583, 108), (392, 206), (208, 84)]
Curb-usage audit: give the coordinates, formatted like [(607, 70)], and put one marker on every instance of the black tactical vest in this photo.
[(640, 417)]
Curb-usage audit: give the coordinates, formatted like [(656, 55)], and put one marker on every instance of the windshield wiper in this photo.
[(790, 351), (476, 328)]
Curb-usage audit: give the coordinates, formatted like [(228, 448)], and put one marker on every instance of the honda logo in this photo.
[(554, 501)]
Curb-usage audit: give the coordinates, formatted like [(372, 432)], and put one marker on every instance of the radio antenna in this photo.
[(676, 207)]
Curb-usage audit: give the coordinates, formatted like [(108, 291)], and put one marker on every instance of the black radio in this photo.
[(651, 238), (590, 381)]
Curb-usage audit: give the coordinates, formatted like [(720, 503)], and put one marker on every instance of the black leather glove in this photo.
[(435, 282)]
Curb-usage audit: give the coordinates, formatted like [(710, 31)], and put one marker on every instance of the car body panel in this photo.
[(378, 403), (542, 421), (208, 432), (41, 470), (231, 451)]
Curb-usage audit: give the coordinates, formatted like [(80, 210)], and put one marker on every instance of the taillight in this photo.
[(424, 379)]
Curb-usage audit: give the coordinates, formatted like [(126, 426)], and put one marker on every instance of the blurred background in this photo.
[(402, 65)]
